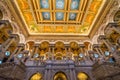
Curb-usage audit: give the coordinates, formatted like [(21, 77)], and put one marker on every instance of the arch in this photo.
[(74, 41), (58, 56), (5, 10), (59, 41), (88, 45), (29, 45), (117, 16), (44, 45), (74, 45), (60, 76), (82, 76), (36, 76), (1, 15), (15, 27), (59, 44)]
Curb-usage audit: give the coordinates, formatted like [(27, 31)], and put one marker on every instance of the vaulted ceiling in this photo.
[(60, 17)]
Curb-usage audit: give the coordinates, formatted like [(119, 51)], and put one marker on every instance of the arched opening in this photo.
[(1, 15), (60, 76), (82, 76), (36, 76)]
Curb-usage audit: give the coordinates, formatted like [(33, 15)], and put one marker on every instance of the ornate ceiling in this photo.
[(59, 19), (59, 16)]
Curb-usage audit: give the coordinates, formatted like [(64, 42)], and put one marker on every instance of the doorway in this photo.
[(60, 76)]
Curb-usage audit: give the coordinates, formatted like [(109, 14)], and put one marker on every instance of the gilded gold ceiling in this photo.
[(59, 16)]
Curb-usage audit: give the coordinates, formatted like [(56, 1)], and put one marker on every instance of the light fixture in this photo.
[(81, 55), (107, 53), (0, 61), (20, 55), (96, 55), (35, 55), (7, 53)]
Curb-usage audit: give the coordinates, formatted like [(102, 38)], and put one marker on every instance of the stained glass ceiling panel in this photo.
[(60, 4), (72, 16), (44, 4), (46, 15), (59, 15), (57, 10), (75, 4)]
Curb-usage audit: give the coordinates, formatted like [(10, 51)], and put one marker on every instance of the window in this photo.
[(82, 76), (36, 76)]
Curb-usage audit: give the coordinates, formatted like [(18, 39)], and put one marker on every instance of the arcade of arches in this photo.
[(59, 39)]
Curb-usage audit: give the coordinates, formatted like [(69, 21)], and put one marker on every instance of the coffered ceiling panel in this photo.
[(59, 16)]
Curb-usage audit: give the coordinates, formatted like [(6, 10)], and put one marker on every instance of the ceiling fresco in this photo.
[(59, 16)]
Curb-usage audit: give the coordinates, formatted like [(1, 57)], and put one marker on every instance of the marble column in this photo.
[(46, 74), (49, 74), (82, 48), (36, 48), (53, 53), (74, 75), (71, 75), (31, 53)]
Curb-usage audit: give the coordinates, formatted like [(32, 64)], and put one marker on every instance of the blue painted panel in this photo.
[(60, 4), (59, 15), (74, 4), (44, 3), (72, 16), (46, 15)]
